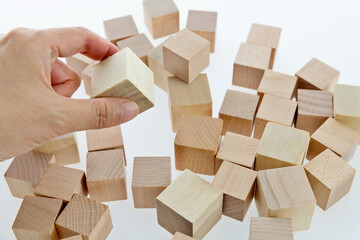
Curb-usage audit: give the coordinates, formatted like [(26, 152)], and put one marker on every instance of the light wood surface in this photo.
[(181, 236), (78, 62), (77, 237), (86, 76), (265, 228), (120, 28)]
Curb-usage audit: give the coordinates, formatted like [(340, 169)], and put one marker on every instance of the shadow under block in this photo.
[(186, 55), (77, 237), (330, 178), (268, 228), (36, 218), (84, 216), (124, 75), (78, 62), (151, 175), (238, 112), (106, 175), (281, 146), (189, 98), (189, 205), (120, 28), (237, 183), (181, 236), (337, 137), (203, 23), (250, 64), (196, 143), (86, 76)]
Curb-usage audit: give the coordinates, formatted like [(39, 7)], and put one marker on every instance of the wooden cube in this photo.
[(78, 62), (161, 17), (86, 76), (180, 236), (192, 98), (337, 137), (286, 193), (196, 143), (124, 75), (106, 175), (77, 237), (86, 217), (36, 217), (265, 228), (151, 175), (274, 109), (120, 28), (189, 205), (250, 64), (330, 178), (238, 112), (281, 146), (203, 23), (186, 55)]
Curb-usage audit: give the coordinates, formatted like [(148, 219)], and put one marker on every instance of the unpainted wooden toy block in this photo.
[(36, 218), (189, 205), (106, 175), (189, 98), (120, 28), (181, 236), (78, 62), (86, 217), (238, 112), (196, 143), (151, 175), (237, 183), (86, 76), (268, 228), (77, 237), (124, 75), (186, 55), (330, 178)]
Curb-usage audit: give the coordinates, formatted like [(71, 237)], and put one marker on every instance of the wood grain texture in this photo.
[(265, 228), (86, 76), (78, 62), (120, 28), (77, 237), (180, 236), (189, 205)]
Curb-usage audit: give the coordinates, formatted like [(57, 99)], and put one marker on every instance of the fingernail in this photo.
[(129, 110)]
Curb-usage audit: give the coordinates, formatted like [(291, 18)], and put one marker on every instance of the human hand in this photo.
[(35, 88)]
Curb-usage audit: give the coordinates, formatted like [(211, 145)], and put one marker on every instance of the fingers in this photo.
[(64, 80)]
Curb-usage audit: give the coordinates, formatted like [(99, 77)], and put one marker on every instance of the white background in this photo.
[(327, 30)]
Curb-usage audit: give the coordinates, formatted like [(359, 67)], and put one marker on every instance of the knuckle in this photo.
[(19, 33), (102, 115)]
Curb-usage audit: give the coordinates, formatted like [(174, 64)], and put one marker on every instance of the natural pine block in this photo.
[(189, 98), (36, 217), (281, 146), (86, 217), (274, 109), (189, 205), (203, 23), (120, 28), (78, 62), (180, 236), (264, 228), (186, 55), (330, 178), (161, 17), (285, 193), (196, 143), (237, 183), (86, 76), (315, 107), (337, 137), (151, 175), (106, 175), (250, 64), (238, 112), (124, 75), (77, 237)]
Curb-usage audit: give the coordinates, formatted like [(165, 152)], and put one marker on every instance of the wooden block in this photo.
[(186, 55), (265, 228), (124, 75), (203, 23), (330, 178), (120, 28), (86, 217), (25, 172), (337, 137), (281, 146), (196, 143), (250, 64), (61, 182), (36, 217), (315, 107), (189, 98), (180, 236), (151, 175), (274, 109), (77, 237), (86, 76), (161, 17), (238, 112), (106, 175), (78, 62), (189, 205)]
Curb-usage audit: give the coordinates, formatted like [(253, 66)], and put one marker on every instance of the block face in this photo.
[(120, 28), (180, 236), (77, 237), (264, 228), (78, 62), (86, 76)]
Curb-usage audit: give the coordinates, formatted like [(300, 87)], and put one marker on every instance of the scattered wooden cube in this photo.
[(286, 193), (77, 237), (86, 76), (86, 217), (330, 178), (120, 28), (78, 62), (238, 112), (196, 143), (180, 236), (124, 75), (151, 175), (189, 205), (189, 98), (186, 55), (265, 228)]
